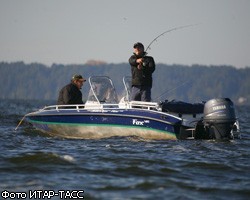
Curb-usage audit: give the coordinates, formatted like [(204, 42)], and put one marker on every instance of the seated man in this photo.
[(71, 93)]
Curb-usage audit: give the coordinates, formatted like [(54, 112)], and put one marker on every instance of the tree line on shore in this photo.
[(172, 82)]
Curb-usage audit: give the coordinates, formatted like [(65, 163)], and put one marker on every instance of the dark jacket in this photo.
[(70, 94), (142, 77)]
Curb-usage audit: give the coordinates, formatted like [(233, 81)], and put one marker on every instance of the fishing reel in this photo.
[(145, 61)]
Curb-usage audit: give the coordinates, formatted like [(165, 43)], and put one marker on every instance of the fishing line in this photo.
[(164, 93)]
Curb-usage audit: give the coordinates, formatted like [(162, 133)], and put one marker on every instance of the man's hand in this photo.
[(139, 61)]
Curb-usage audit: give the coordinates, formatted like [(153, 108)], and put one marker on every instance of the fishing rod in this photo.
[(155, 39), (168, 31)]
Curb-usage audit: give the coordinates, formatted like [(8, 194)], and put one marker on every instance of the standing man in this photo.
[(71, 93), (142, 68)]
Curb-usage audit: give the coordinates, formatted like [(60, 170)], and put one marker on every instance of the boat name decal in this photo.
[(139, 122)]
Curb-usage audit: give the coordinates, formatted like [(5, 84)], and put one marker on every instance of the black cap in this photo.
[(138, 45)]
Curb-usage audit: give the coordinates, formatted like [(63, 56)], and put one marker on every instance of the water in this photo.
[(119, 168)]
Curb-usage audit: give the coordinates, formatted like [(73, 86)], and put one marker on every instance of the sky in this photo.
[(74, 32)]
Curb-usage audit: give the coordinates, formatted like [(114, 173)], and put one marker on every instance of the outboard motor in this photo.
[(219, 118)]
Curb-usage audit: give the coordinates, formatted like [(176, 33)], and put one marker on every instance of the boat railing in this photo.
[(140, 105), (79, 107), (97, 105), (104, 106), (63, 107), (144, 105)]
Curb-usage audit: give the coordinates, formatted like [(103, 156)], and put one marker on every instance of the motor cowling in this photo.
[(219, 118)]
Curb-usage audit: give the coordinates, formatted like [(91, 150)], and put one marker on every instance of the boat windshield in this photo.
[(127, 82), (102, 90)]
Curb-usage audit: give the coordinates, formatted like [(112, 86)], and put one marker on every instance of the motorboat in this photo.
[(103, 116)]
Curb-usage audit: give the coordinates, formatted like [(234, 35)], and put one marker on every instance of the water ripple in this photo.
[(122, 167)]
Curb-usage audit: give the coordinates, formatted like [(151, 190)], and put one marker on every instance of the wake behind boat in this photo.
[(103, 116)]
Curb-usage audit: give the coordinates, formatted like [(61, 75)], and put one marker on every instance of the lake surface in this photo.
[(33, 164)]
